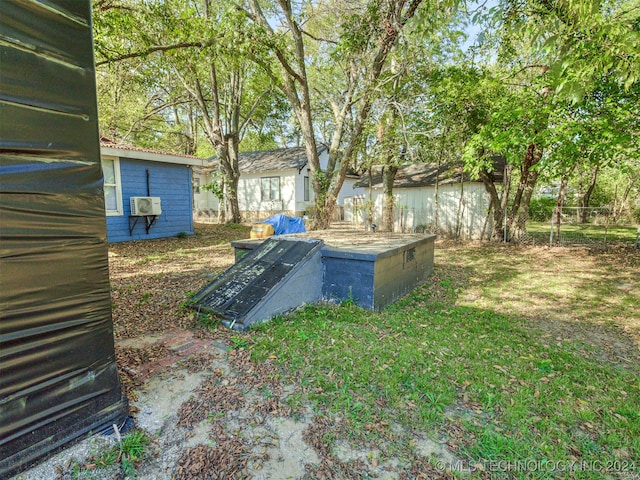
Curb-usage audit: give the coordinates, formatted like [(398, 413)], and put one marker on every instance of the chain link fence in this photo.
[(581, 226)]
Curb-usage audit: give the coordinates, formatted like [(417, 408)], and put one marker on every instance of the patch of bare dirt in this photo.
[(422, 469), (226, 459), (330, 466), (197, 363), (129, 361), (217, 395)]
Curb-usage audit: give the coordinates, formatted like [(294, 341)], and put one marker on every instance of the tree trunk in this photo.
[(490, 187), (586, 198), (520, 229), (528, 179), (232, 214), (225, 145), (498, 205), (295, 85), (232, 180), (483, 234), (504, 202), (624, 203), (562, 193), (388, 176)]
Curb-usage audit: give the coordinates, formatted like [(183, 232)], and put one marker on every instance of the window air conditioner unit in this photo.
[(142, 206)]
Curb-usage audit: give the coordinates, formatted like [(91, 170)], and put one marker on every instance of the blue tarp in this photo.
[(283, 224)]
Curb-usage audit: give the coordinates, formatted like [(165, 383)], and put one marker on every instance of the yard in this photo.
[(512, 362), (588, 233)]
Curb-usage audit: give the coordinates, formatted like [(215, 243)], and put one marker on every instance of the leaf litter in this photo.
[(222, 421)]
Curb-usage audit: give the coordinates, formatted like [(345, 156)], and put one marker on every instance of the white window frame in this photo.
[(265, 195), (118, 187)]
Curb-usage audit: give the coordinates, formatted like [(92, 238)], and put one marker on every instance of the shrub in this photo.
[(541, 209)]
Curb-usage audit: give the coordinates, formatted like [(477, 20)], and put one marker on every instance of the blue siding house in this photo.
[(135, 172)]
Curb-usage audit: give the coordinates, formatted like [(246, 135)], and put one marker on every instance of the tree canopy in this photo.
[(549, 85)]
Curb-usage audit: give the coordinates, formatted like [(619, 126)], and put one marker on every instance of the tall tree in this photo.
[(195, 48), (552, 55), (359, 48)]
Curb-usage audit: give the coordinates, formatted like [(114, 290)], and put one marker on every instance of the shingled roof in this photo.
[(268, 160), (425, 174)]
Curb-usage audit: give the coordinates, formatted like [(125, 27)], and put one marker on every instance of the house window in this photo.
[(112, 186), (196, 185), (306, 189), (270, 188)]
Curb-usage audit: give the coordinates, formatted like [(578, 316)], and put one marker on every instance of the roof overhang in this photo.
[(152, 157)]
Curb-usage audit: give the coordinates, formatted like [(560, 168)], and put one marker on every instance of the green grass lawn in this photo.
[(588, 231), (507, 354)]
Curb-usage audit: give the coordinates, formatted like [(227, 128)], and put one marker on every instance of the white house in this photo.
[(205, 203), (462, 203), (273, 181)]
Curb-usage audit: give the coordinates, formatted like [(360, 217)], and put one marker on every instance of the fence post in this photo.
[(551, 229), (505, 224)]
